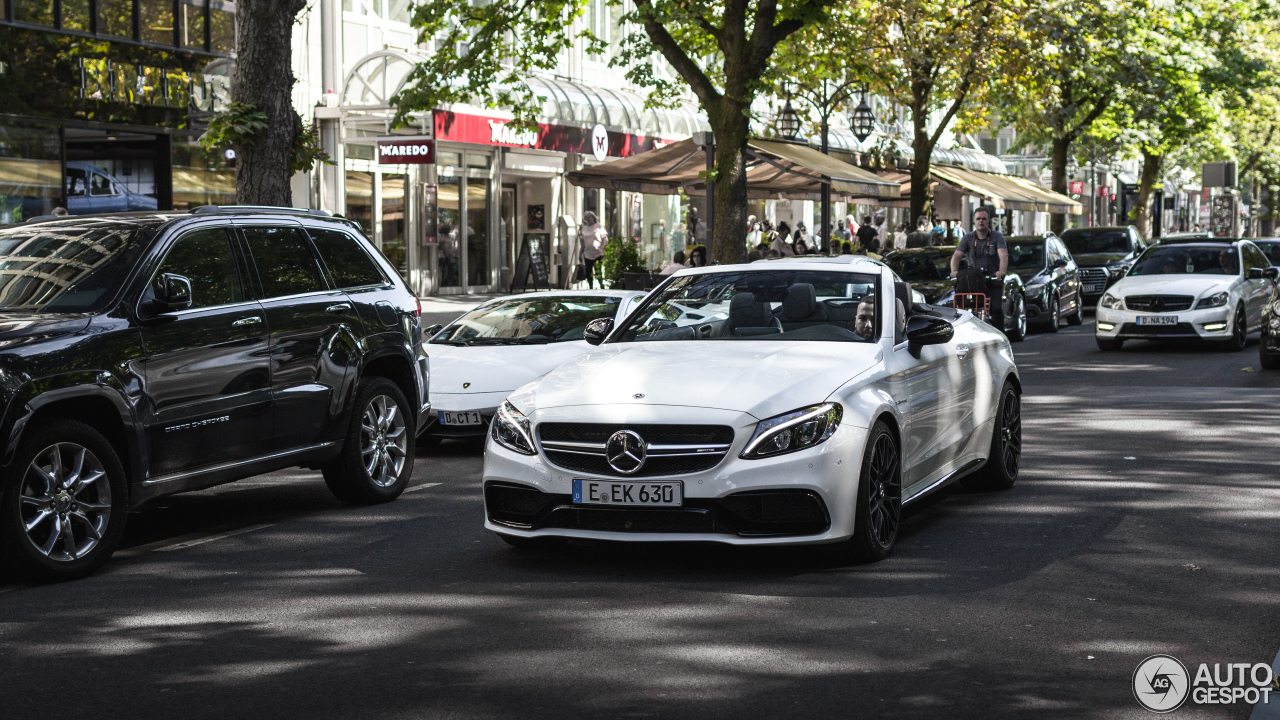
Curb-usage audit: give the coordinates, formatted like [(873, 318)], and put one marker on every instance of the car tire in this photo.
[(1000, 471), (1019, 330), (366, 471), (1077, 317), (878, 510), (1109, 344), (1055, 314), (63, 521), (1239, 331)]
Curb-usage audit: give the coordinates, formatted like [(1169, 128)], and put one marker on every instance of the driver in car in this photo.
[(864, 323)]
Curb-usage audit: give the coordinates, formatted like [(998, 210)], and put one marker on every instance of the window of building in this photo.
[(39, 12), (191, 13), (222, 26), (115, 17), (75, 15), (157, 21)]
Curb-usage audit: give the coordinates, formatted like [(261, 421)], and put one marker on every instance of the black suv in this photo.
[(1103, 255), (147, 354), (1050, 275)]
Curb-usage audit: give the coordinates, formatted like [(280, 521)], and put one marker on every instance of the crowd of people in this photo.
[(870, 237)]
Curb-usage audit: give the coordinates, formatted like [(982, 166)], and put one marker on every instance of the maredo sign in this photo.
[(407, 151), (484, 130)]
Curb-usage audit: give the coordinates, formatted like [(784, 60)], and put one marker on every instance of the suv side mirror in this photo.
[(1059, 263), (1271, 273), (597, 330), (173, 292), (926, 330), (1255, 273), (431, 331)]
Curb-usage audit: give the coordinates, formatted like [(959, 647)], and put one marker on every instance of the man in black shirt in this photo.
[(987, 253), (867, 235)]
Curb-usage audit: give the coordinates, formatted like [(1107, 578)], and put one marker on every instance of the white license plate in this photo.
[(642, 494), (1093, 288), (1157, 319), (459, 418)]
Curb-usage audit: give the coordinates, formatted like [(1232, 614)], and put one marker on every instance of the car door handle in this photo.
[(247, 321), (340, 307), (962, 350)]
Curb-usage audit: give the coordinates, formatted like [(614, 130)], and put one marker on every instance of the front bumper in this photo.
[(484, 403), (1212, 324), (805, 497)]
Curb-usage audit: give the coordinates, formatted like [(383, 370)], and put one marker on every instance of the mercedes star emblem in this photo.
[(625, 451), (466, 385), (637, 396)]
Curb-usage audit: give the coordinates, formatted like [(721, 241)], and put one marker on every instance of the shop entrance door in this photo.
[(464, 227)]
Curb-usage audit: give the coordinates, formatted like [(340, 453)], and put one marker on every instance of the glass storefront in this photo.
[(394, 229), (30, 171)]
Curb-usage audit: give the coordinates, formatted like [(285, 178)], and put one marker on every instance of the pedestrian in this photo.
[(60, 212), (801, 232), (698, 256), (783, 248), (784, 229), (802, 248), (920, 237), (900, 237), (866, 234), (594, 239), (676, 264), (753, 231), (884, 240), (939, 234), (986, 252)]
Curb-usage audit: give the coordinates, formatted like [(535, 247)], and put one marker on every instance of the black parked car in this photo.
[(1103, 255), (147, 354), (929, 271), (1049, 276)]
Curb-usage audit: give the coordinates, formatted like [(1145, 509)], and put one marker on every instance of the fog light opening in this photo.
[(1106, 326), (1213, 327)]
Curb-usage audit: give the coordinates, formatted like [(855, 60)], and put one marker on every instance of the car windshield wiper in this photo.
[(456, 343), (527, 340)]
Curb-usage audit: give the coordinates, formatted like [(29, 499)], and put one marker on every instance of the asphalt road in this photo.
[(1145, 521)]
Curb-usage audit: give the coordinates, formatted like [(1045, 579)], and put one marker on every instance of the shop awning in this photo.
[(774, 169), (1007, 191), (30, 178)]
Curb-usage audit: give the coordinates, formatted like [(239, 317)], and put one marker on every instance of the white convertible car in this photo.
[(478, 359), (1189, 288), (806, 404)]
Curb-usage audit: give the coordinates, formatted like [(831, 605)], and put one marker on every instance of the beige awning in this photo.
[(1007, 191), (774, 169), (30, 178)]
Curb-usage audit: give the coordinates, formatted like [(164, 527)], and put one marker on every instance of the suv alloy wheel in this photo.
[(377, 455)]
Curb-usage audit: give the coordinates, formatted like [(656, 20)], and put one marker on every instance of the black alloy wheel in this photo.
[(1055, 314), (1019, 330), (1000, 471), (1239, 331), (65, 502), (1077, 317), (879, 508)]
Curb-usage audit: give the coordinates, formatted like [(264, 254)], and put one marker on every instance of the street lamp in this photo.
[(862, 121), (789, 121)]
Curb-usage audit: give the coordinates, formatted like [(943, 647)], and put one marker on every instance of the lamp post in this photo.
[(789, 121)]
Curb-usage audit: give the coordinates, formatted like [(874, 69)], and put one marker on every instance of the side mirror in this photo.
[(926, 330), (173, 292), (1254, 273), (1059, 263), (431, 331), (1271, 273), (597, 330)]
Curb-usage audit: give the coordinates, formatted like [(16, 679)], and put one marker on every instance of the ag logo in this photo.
[(1161, 683)]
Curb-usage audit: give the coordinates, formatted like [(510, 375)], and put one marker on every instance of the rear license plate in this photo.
[(1093, 288), (1157, 320), (643, 494), (459, 418)]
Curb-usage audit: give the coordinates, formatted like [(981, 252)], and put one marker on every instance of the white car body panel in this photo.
[(943, 405)]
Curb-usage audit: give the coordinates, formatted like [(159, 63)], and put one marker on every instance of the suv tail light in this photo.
[(418, 302)]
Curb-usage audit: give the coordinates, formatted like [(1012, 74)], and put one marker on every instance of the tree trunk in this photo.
[(264, 78), (731, 128), (1151, 164), (1058, 167), (923, 150)]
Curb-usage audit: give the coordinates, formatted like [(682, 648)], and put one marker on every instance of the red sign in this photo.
[(419, 151), (481, 130), (1104, 191), (1076, 187)]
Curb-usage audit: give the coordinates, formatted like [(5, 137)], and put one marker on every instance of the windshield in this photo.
[(920, 267), (761, 305), (67, 268), (1188, 259), (1271, 250), (528, 321), (1026, 256), (1089, 242)]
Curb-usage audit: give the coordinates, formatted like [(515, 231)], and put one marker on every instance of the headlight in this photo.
[(1274, 323), (511, 430), (1213, 301), (796, 430), (1110, 302)]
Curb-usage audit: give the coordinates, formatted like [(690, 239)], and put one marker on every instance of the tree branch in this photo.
[(962, 92), (679, 59)]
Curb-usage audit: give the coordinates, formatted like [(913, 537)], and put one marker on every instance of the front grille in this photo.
[(672, 449), (1158, 331), (1093, 275), (751, 513), (1159, 303)]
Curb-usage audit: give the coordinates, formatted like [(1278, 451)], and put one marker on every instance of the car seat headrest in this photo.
[(801, 299)]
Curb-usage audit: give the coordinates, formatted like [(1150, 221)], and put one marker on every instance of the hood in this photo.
[(1194, 285), (1027, 273), (760, 377), (35, 326), (1098, 259), (500, 368)]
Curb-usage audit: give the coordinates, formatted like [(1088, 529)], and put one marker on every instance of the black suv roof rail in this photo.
[(203, 209), (1199, 240)]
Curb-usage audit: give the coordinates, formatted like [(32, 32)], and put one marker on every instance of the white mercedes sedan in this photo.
[(478, 359), (804, 404), (1188, 288)]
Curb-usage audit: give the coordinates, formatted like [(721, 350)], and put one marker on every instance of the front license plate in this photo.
[(650, 494), (1093, 288), (459, 418), (1157, 320)]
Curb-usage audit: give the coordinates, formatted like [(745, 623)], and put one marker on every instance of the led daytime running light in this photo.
[(511, 430), (796, 430)]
